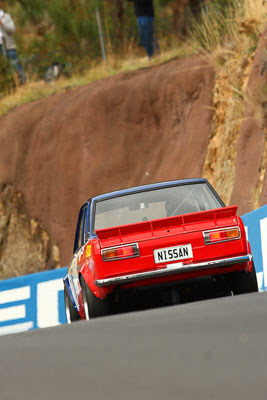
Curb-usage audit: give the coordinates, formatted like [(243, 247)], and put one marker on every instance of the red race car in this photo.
[(153, 245)]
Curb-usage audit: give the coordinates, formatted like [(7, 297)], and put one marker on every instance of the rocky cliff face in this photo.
[(25, 246), (237, 155), (155, 124), (251, 158)]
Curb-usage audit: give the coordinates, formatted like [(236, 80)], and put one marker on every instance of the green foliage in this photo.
[(32, 10), (7, 82), (216, 25), (66, 30)]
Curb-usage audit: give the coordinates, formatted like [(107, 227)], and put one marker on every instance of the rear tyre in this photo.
[(244, 282), (72, 314), (93, 306)]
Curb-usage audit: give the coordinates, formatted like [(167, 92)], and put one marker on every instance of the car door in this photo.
[(80, 240)]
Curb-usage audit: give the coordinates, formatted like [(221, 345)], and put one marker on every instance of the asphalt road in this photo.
[(215, 349)]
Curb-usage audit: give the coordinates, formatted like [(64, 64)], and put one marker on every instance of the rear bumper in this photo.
[(172, 269)]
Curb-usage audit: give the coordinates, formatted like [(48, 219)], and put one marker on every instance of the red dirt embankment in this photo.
[(135, 128)]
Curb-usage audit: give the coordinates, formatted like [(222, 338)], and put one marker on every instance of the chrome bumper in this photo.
[(171, 269)]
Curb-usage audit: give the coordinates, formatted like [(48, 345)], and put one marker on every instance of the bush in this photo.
[(216, 25), (7, 81)]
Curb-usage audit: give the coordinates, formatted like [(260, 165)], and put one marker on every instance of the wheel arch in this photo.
[(87, 275), (67, 284)]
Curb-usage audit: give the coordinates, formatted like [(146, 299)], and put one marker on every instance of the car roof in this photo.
[(148, 187)]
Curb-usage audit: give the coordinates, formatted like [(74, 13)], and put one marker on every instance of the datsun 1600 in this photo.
[(155, 245)]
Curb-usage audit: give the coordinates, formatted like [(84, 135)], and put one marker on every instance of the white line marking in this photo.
[(263, 227), (10, 313), (47, 302), (260, 281), (8, 296), (25, 326)]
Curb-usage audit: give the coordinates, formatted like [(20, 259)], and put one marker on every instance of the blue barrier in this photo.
[(32, 301), (256, 227), (37, 300)]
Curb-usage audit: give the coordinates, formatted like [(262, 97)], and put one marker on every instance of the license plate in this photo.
[(173, 253)]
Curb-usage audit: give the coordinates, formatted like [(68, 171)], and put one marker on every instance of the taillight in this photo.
[(120, 252), (221, 235)]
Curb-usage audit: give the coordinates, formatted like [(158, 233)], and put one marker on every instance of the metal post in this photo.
[(101, 36)]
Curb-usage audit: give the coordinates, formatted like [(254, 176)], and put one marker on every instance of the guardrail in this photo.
[(37, 300)]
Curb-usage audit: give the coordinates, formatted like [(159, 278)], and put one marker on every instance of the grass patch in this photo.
[(35, 90)]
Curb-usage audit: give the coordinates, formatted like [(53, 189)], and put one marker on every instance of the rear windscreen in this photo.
[(154, 204)]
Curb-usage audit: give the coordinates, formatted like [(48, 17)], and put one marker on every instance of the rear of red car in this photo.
[(172, 249), (175, 237)]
